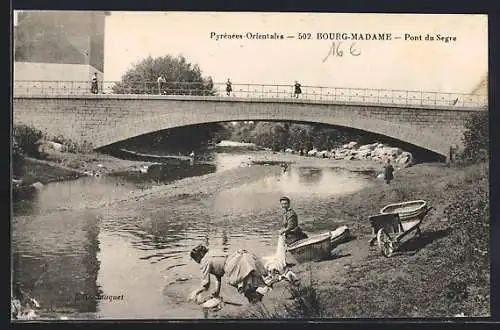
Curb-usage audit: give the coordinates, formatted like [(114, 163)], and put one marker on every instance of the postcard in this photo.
[(249, 166)]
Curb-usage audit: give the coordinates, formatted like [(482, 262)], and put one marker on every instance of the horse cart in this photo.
[(389, 229)]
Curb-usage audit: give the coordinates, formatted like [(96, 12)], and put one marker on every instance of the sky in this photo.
[(454, 66)]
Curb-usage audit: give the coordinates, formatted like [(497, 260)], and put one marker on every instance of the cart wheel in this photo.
[(384, 243)]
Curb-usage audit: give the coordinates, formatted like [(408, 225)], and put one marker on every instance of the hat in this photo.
[(284, 198), (198, 252)]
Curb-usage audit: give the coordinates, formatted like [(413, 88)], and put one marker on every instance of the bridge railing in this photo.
[(258, 91)]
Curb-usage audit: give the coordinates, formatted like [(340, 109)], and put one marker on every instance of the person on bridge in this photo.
[(229, 87), (244, 270), (161, 84), (388, 171), (298, 89), (290, 223), (94, 88)]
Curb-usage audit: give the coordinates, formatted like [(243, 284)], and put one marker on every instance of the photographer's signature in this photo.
[(336, 49)]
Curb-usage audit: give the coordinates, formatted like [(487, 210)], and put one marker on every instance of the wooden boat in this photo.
[(318, 247), (406, 210)]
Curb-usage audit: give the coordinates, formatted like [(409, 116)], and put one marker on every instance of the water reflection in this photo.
[(55, 259), (225, 241), (62, 250)]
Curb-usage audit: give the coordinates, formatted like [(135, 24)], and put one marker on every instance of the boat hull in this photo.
[(318, 247)]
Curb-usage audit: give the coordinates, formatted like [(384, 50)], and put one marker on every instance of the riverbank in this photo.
[(444, 273), (61, 166)]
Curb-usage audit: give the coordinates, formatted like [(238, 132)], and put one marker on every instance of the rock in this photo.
[(17, 182), (322, 154), (44, 147), (406, 159), (352, 144), (349, 157), (289, 150), (366, 147), (340, 155), (312, 152), (364, 153), (56, 146), (37, 185), (394, 151)]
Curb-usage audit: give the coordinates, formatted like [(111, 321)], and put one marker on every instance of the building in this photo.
[(58, 46)]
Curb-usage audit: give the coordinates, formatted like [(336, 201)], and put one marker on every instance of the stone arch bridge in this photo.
[(103, 119)]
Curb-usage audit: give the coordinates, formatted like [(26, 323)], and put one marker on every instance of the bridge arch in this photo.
[(106, 119), (405, 133)]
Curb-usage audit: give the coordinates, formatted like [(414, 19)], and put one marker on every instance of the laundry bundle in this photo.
[(276, 264)]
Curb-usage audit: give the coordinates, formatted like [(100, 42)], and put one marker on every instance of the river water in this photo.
[(70, 255)]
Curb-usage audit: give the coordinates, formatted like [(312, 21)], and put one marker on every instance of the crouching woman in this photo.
[(243, 270)]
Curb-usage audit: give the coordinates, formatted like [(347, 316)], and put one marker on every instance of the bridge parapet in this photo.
[(255, 92)]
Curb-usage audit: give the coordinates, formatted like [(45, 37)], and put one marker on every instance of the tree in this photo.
[(182, 77), (476, 137)]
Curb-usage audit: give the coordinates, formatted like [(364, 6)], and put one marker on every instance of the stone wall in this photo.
[(105, 119)]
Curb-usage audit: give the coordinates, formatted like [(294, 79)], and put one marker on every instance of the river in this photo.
[(70, 255)]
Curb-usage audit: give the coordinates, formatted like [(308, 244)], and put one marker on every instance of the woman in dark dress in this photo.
[(290, 222), (229, 87), (388, 171), (298, 90)]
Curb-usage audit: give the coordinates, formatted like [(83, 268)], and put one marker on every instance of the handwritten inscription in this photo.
[(336, 49)]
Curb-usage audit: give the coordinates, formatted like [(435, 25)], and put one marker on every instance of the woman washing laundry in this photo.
[(290, 222), (244, 271)]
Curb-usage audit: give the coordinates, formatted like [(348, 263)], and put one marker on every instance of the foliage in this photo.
[(28, 140), (282, 135), (476, 138), (306, 300), (17, 159), (182, 77), (179, 139)]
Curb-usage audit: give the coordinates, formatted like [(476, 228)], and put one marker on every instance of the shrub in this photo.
[(476, 138), (17, 159), (27, 139), (306, 301)]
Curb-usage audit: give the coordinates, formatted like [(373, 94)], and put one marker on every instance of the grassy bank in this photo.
[(444, 273), (39, 171)]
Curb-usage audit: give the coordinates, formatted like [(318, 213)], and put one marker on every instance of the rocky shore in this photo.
[(376, 152)]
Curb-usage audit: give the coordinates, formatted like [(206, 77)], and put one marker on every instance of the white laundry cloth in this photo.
[(276, 263)]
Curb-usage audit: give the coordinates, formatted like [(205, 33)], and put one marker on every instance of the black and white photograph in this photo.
[(174, 165)]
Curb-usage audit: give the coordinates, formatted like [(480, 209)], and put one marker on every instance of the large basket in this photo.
[(314, 248), (406, 210)]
